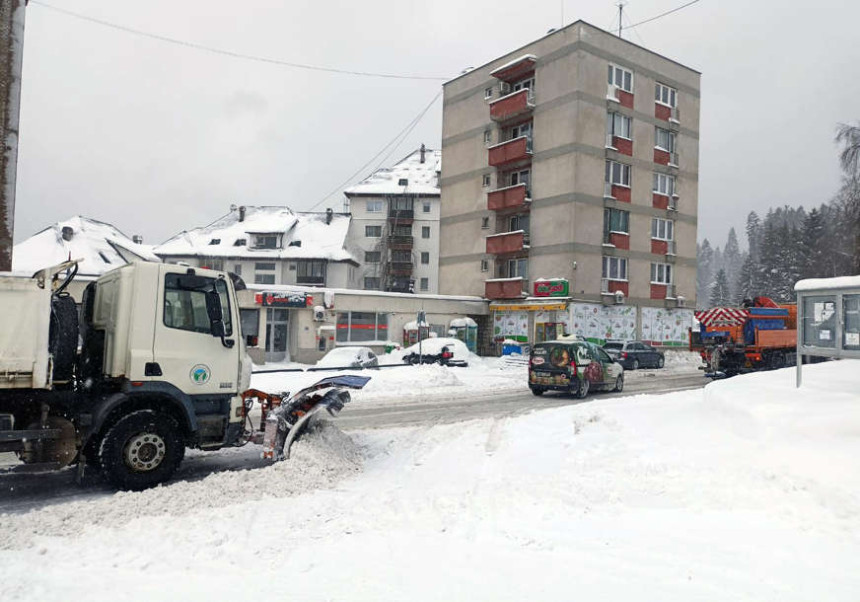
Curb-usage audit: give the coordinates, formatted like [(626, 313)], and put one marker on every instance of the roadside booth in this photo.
[(465, 329), (828, 319)]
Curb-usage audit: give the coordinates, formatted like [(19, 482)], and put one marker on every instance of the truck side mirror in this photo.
[(213, 307)]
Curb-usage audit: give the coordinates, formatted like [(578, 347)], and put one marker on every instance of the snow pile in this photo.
[(320, 459), (422, 178), (101, 247), (409, 381)]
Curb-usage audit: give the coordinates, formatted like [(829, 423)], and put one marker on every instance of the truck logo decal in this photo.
[(200, 374)]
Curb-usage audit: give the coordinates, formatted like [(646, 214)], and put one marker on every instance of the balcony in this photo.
[(511, 197), (623, 146), (619, 240), (504, 288), (401, 216), (516, 69), (400, 242), (400, 268), (507, 242), (617, 192), (512, 105), (610, 287), (622, 97), (518, 149), (666, 113)]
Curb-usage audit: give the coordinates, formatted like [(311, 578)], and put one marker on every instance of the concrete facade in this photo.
[(565, 233)]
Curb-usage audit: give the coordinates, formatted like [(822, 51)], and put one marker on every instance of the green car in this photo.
[(573, 366)]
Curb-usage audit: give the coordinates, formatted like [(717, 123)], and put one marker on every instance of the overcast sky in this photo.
[(156, 138)]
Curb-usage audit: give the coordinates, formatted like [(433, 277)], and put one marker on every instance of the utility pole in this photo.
[(11, 61)]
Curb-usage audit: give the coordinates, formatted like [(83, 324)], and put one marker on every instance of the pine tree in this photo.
[(754, 234), (732, 259), (720, 293), (813, 262), (704, 273), (746, 286)]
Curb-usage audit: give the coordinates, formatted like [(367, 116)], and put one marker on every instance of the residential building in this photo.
[(270, 245), (574, 157), (394, 232)]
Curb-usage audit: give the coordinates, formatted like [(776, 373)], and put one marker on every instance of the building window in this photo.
[(373, 231), (264, 266), (518, 131), (522, 176), (488, 92), (425, 231), (424, 284), (371, 283), (359, 326), (621, 77), (311, 271), (526, 84), (210, 262), (264, 279), (215, 241), (374, 206), (372, 256), (618, 174), (486, 180), (619, 125), (664, 184), (237, 269), (519, 222), (425, 207), (488, 136), (425, 257), (615, 268), (661, 273), (666, 95), (615, 220), (401, 256), (401, 203), (662, 229), (240, 242), (664, 140), (485, 265), (266, 241), (485, 223), (517, 268), (401, 230)]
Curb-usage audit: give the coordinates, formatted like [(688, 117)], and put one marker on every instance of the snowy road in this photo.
[(24, 492)]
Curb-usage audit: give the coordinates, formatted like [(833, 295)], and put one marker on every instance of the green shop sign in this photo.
[(552, 288)]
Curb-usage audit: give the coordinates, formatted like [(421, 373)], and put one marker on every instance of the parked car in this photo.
[(443, 350), (349, 357), (635, 354), (576, 367)]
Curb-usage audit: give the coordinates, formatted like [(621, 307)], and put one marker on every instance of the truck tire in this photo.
[(140, 450)]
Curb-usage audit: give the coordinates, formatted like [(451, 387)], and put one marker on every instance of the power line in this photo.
[(668, 12), (401, 135), (230, 53)]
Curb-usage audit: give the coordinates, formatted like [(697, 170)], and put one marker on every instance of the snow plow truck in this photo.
[(760, 335), (151, 362)]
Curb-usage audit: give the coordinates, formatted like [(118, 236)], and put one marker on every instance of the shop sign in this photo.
[(552, 288), (274, 299), (529, 307)]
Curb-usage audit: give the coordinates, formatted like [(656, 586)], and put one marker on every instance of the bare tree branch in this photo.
[(849, 136)]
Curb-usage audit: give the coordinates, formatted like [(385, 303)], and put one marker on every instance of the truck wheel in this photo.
[(141, 450)]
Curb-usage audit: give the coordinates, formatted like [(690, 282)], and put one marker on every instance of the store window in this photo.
[(360, 326)]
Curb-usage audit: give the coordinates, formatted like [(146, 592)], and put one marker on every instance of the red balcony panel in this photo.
[(516, 69), (624, 98), (509, 152), (659, 201), (620, 240), (506, 243), (511, 106), (621, 193), (617, 285), (623, 145), (507, 198), (661, 156), (506, 288), (662, 112), (659, 247), (658, 291)]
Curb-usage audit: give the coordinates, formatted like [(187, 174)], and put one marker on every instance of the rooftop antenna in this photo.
[(620, 6)]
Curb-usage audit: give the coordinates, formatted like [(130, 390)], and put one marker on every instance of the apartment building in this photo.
[(574, 158), (394, 232)]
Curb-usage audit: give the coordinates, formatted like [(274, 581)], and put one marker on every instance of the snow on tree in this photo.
[(721, 291), (704, 273), (746, 286), (732, 259)]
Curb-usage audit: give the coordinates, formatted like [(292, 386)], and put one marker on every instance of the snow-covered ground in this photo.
[(746, 490)]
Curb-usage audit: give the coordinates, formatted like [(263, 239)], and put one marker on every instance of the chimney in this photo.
[(137, 239), (242, 213), (68, 232), (328, 215), (422, 152)]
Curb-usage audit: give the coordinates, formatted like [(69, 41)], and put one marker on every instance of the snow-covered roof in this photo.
[(101, 246), (818, 284), (305, 236), (422, 178)]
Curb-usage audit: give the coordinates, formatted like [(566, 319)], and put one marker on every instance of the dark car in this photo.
[(635, 354), (574, 367)]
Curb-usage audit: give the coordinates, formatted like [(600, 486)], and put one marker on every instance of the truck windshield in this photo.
[(185, 303)]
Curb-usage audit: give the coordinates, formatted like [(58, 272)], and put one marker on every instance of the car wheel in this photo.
[(141, 450), (660, 362), (619, 383), (635, 364), (582, 390), (537, 391)]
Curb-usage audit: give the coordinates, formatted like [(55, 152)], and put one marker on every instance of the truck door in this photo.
[(184, 348)]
